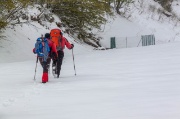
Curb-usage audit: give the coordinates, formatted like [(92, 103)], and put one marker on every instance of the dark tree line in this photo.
[(166, 4)]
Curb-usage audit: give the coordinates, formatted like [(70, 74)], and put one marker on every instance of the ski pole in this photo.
[(74, 62), (35, 69)]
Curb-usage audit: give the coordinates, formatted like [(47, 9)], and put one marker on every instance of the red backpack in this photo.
[(56, 37)]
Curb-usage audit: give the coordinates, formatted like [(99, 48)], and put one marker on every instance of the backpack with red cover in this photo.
[(56, 37)]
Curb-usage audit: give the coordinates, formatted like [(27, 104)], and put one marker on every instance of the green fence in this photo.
[(148, 40), (128, 42), (113, 42)]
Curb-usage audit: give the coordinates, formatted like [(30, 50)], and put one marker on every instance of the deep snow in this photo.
[(134, 83)]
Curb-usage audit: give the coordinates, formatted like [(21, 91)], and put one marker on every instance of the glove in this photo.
[(72, 46), (34, 51)]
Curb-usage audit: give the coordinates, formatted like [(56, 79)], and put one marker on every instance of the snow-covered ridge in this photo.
[(145, 17), (20, 38), (148, 14)]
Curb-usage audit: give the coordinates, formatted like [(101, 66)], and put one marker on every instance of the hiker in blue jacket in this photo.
[(42, 50)]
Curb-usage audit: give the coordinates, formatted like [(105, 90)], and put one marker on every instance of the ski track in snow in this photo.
[(34, 88)]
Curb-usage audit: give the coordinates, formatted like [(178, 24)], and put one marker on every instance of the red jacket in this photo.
[(64, 42)]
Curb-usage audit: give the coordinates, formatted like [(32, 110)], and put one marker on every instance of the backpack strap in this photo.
[(37, 47), (60, 43), (46, 49)]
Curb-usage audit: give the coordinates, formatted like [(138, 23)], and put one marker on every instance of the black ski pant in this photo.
[(59, 61), (45, 64)]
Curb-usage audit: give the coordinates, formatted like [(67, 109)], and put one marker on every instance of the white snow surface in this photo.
[(131, 83)]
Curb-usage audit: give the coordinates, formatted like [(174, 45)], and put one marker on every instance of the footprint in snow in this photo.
[(8, 102)]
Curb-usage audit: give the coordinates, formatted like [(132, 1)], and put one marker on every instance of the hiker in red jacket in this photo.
[(41, 49), (60, 41)]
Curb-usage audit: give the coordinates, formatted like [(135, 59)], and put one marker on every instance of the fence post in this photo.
[(154, 40), (126, 42)]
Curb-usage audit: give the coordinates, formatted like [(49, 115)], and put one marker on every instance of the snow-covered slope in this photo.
[(145, 13), (132, 83), (144, 19), (19, 40), (17, 46)]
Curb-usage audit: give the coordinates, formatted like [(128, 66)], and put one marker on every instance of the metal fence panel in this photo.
[(113, 42), (148, 40), (128, 42)]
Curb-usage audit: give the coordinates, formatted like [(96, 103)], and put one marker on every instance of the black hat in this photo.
[(47, 35)]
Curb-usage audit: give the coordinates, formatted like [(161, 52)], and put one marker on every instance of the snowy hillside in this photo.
[(141, 21), (19, 40), (144, 19), (134, 83), (129, 83)]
